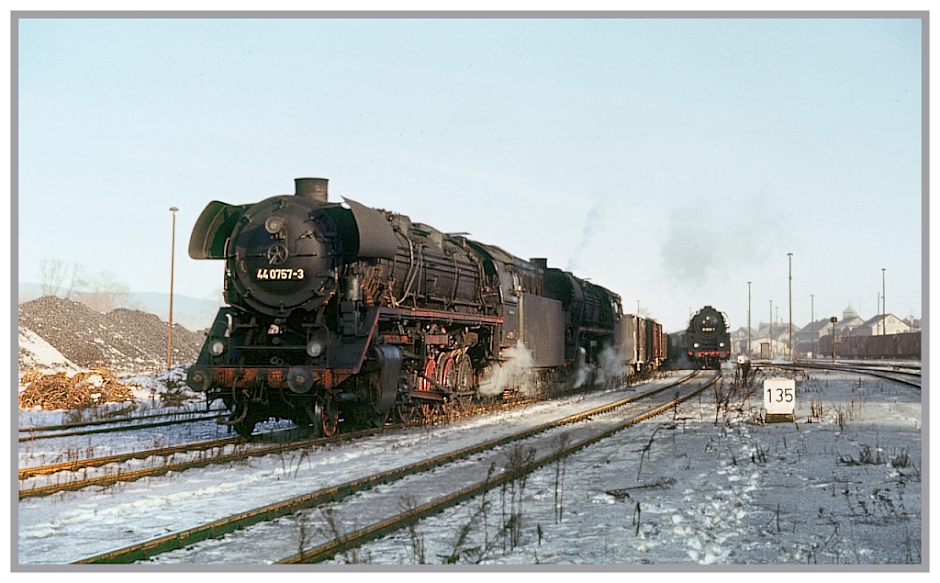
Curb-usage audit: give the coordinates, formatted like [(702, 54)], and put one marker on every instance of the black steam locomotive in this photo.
[(707, 339), (340, 311)]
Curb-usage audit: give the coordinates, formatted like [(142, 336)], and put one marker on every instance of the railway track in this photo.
[(463, 460), (129, 424), (122, 475), (118, 420), (227, 450), (910, 377)]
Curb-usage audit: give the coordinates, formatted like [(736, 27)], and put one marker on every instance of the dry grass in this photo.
[(81, 390)]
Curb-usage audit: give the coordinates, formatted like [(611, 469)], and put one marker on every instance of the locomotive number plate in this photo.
[(284, 274)]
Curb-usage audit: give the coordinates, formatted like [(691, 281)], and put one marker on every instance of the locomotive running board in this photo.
[(449, 317)]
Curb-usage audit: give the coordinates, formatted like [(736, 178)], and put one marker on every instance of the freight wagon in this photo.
[(905, 345)]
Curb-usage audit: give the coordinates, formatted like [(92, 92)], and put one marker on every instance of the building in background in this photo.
[(878, 325)]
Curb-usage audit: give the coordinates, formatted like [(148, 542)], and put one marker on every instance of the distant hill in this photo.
[(191, 313)]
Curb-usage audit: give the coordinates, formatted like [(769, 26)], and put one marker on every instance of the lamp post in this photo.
[(169, 338), (770, 331), (790, 281), (812, 321), (749, 320)]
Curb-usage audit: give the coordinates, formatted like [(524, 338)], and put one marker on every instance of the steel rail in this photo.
[(116, 429), (215, 529), (852, 369), (75, 465), (910, 365), (357, 538), (119, 420), (130, 476)]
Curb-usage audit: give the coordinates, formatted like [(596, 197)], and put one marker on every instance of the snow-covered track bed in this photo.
[(518, 463), (67, 526), (711, 485), (443, 474), (131, 466), (128, 466)]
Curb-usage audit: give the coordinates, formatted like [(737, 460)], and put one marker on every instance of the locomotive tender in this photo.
[(707, 339), (340, 311)]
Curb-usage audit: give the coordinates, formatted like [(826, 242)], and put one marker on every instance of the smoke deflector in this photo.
[(212, 228), (376, 236)]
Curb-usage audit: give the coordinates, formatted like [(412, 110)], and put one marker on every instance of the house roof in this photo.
[(875, 320), (815, 326)]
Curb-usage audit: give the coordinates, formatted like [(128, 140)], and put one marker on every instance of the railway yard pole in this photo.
[(748, 320), (884, 307), (790, 340), (812, 321), (770, 331), (169, 338)]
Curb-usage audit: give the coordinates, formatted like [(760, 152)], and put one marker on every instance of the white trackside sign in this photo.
[(780, 396)]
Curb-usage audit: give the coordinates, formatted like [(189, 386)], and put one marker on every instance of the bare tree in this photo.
[(78, 284), (52, 273), (104, 293)]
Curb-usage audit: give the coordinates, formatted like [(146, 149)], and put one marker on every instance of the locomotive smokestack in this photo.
[(314, 188)]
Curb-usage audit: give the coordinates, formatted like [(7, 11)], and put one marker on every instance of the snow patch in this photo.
[(35, 353)]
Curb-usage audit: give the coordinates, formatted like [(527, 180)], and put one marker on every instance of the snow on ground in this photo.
[(842, 485), (36, 353), (164, 382), (67, 526)]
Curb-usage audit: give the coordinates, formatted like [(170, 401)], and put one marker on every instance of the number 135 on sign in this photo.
[(779, 396)]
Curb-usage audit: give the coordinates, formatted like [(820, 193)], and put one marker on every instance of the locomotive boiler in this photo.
[(340, 311), (707, 339)]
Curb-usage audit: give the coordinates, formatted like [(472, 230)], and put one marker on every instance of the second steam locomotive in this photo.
[(707, 339), (340, 311)]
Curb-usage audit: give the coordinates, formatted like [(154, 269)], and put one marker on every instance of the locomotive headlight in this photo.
[(216, 347), (274, 225), (314, 348), (695, 345), (721, 344)]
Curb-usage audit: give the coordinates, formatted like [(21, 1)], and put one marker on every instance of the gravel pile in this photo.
[(121, 340)]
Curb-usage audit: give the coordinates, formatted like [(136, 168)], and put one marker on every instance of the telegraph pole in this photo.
[(790, 341), (770, 331), (884, 305), (749, 320), (169, 338)]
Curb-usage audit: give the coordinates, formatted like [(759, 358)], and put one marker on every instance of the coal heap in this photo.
[(121, 340)]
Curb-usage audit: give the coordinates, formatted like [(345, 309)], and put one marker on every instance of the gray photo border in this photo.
[(922, 15)]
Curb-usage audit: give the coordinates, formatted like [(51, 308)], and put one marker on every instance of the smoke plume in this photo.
[(593, 223), (708, 240)]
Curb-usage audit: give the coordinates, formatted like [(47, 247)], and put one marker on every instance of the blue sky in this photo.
[(671, 160)]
